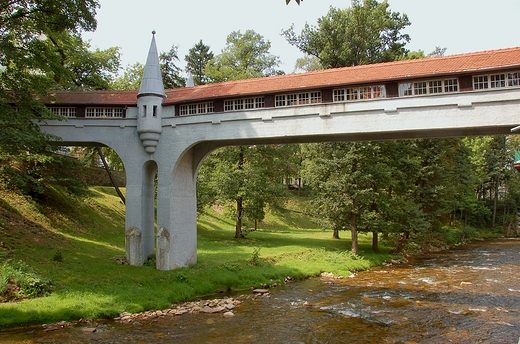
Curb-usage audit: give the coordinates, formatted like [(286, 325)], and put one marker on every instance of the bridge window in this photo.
[(498, 80), (451, 85), (436, 86), (279, 100), (104, 112), (297, 99), (428, 87), (244, 103), (64, 111), (315, 97), (483, 82), (480, 82), (420, 88), (292, 99), (197, 108), (359, 93)]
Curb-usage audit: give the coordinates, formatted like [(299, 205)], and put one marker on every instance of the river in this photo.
[(470, 294)]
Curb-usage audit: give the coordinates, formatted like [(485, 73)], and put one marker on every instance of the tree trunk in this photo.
[(402, 242), (375, 242), (102, 156), (495, 201), (353, 231), (335, 234), (238, 224), (240, 201)]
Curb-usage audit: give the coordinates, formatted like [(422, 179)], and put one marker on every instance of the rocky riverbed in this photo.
[(225, 305)]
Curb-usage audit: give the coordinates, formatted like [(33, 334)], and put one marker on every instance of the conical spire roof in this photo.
[(152, 83)]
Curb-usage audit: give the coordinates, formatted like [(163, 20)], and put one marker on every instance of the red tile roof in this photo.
[(115, 98), (478, 62)]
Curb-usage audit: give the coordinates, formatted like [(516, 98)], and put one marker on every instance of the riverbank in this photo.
[(72, 252)]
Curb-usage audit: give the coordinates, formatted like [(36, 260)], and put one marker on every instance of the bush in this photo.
[(17, 282), (35, 178), (21, 181)]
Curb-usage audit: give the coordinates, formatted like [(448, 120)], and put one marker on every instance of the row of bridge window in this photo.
[(90, 112), (422, 87)]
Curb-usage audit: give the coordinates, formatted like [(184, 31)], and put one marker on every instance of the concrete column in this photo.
[(139, 234), (177, 214)]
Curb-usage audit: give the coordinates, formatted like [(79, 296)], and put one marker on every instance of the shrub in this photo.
[(255, 257), (17, 281)]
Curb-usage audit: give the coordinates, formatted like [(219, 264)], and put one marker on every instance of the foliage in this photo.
[(90, 157), (41, 50), (82, 69), (247, 176), (368, 32), (246, 55), (364, 186), (34, 176), (255, 256), (196, 60), (18, 281), (131, 78), (170, 71), (307, 64)]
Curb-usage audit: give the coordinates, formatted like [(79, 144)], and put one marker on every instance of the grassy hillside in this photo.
[(66, 246)]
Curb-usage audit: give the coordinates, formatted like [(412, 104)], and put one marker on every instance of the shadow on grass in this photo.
[(88, 284), (272, 238)]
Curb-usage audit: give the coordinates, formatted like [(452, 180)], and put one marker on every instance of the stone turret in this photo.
[(149, 100)]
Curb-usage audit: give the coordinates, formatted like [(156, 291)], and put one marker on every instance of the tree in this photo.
[(131, 78), (83, 69), (492, 164), (33, 39), (40, 50), (307, 64), (246, 177), (365, 33), (196, 60), (342, 182), (245, 56), (170, 72), (350, 191)]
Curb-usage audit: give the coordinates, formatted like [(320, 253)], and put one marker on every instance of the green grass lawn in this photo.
[(85, 234)]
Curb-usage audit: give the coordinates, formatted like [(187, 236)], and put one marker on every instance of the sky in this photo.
[(461, 26)]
